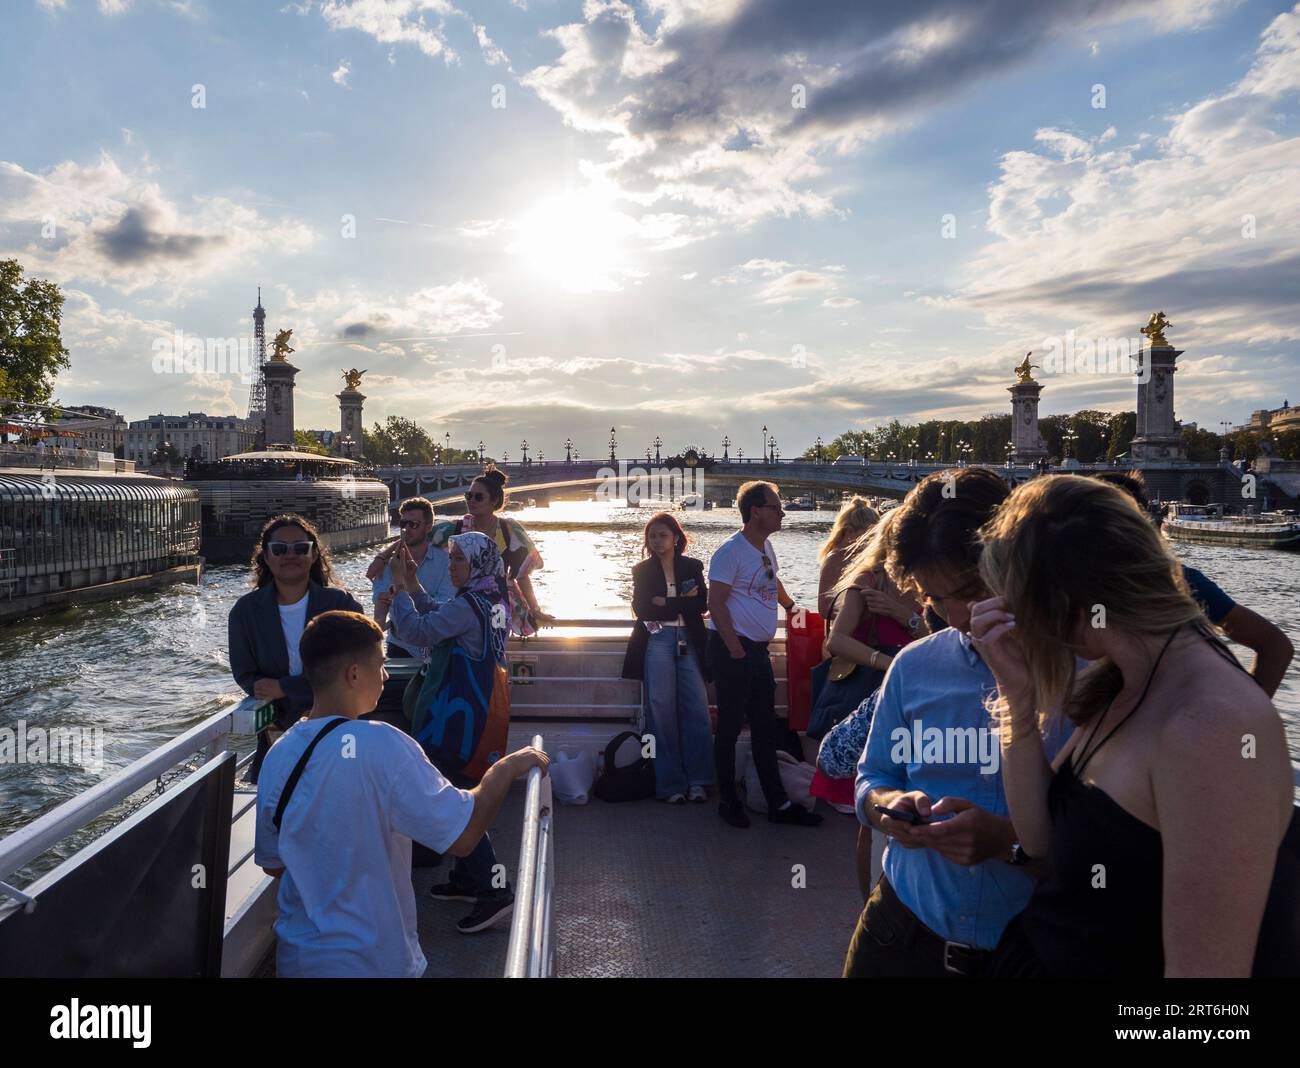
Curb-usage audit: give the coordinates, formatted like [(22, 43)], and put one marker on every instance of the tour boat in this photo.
[(633, 889), (1205, 524)]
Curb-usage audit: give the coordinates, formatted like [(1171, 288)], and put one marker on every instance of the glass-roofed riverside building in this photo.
[(241, 492), (74, 536)]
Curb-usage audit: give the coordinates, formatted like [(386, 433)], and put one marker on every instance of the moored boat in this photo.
[(1206, 524)]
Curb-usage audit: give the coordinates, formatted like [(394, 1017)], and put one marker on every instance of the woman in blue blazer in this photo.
[(291, 576)]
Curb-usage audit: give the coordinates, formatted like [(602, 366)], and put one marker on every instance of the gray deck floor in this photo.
[(645, 889)]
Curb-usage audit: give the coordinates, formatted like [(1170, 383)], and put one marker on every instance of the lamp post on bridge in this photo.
[(658, 445), (613, 444), (541, 457), (568, 450), (480, 451), (740, 453), (764, 453), (1011, 447), (771, 446), (819, 448), (447, 438), (726, 443), (523, 447)]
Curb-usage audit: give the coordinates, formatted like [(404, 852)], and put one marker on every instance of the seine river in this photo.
[(147, 668)]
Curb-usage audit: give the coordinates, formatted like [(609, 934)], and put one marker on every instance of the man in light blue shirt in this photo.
[(952, 883), (415, 520)]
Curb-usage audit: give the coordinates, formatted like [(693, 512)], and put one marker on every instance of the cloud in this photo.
[(340, 76), (422, 23), (793, 286), (733, 111), (839, 302), (102, 223), (1200, 222)]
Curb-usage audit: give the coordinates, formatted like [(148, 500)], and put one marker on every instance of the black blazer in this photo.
[(648, 582), (258, 649)]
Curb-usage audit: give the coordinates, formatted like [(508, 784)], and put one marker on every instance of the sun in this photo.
[(574, 240)]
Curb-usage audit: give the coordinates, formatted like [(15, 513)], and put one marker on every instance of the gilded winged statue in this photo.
[(1024, 372), (353, 378), (281, 345), (1155, 330)]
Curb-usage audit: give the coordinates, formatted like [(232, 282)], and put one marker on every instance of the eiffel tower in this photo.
[(257, 395)]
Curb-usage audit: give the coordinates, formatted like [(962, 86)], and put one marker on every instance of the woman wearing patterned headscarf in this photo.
[(459, 705)]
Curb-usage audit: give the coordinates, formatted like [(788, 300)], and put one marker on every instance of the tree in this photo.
[(1201, 444), (305, 441), (31, 345)]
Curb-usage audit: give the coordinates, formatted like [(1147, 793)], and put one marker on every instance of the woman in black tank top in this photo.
[(1184, 875)]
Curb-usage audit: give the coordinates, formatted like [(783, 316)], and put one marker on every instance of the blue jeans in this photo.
[(678, 710)]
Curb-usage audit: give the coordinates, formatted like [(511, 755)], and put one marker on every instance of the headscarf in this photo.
[(487, 583)]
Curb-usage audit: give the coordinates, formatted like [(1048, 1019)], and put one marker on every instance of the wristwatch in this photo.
[(1019, 858), (914, 623)]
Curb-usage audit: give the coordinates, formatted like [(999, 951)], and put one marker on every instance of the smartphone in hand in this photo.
[(905, 816)]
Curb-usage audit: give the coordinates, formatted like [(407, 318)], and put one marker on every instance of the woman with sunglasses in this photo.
[(291, 576), (486, 497)]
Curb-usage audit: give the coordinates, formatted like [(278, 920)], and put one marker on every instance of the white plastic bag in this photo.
[(572, 776), (796, 777)]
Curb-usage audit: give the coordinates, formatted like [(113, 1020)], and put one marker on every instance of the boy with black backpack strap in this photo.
[(338, 804)]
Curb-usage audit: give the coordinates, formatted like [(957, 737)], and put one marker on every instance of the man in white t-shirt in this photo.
[(341, 838), (744, 592)]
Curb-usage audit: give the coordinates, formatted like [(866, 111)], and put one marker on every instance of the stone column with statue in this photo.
[(1027, 441), (279, 374), (1158, 439), (349, 442)]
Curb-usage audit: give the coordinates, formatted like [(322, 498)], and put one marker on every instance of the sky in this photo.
[(686, 218)]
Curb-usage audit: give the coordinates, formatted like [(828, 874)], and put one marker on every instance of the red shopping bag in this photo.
[(804, 634)]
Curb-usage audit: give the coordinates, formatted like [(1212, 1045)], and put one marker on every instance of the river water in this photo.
[(149, 667)]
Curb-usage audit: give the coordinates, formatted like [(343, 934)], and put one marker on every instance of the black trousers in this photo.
[(745, 688), (889, 942)]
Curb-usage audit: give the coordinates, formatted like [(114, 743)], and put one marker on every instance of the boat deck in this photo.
[(648, 890)]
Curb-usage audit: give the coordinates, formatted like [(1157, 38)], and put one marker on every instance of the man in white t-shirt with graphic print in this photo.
[(744, 592), (341, 840)]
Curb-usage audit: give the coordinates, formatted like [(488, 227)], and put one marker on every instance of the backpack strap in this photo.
[(296, 774)]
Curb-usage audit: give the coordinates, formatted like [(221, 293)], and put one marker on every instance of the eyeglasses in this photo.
[(471, 495), (776, 506), (299, 548), (403, 524)]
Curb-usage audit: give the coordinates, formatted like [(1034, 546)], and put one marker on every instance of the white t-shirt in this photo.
[(293, 620), (346, 903), (752, 600)]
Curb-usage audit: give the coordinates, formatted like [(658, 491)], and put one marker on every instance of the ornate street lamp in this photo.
[(764, 439), (480, 451), (541, 457), (568, 450), (740, 453), (613, 444), (523, 447), (819, 448), (647, 455), (726, 444), (771, 450), (658, 445)]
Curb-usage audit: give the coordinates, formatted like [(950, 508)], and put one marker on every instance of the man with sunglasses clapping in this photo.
[(415, 520)]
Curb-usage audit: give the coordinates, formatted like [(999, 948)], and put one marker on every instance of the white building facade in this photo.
[(196, 435)]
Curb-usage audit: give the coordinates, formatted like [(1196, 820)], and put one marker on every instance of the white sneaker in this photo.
[(676, 799), (698, 793)]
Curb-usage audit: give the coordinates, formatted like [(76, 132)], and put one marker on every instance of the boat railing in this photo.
[(162, 768), (530, 953)]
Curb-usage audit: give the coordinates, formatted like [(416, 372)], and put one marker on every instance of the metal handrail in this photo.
[(45, 832), (529, 954)]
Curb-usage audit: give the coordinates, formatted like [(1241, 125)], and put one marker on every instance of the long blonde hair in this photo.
[(857, 514), (1067, 552), (867, 554)]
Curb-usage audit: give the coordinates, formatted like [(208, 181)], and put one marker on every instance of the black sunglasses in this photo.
[(300, 548), (472, 495), (410, 523)]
